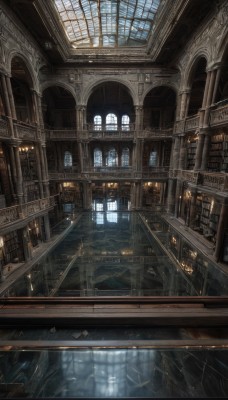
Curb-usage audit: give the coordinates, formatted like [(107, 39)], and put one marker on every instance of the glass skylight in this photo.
[(107, 23)]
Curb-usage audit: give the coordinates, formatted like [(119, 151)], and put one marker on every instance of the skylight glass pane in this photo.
[(92, 23)]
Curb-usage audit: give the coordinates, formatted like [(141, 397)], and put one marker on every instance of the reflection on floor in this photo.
[(122, 254)]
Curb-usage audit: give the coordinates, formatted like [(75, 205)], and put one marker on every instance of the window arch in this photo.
[(111, 122), (125, 123), (97, 123), (111, 158), (97, 158), (68, 160), (153, 158), (125, 157)]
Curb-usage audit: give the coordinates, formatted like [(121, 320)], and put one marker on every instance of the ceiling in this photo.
[(107, 23)]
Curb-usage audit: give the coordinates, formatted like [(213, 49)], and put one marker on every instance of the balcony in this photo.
[(61, 134), (113, 173), (155, 133), (18, 213), (211, 180), (189, 124), (4, 131), (219, 116), (25, 131)]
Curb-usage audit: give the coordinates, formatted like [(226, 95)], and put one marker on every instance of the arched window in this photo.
[(97, 158), (125, 156), (97, 123), (153, 159), (125, 123), (111, 158), (68, 161), (111, 122)]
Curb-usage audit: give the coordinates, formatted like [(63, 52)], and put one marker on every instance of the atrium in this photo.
[(113, 199)]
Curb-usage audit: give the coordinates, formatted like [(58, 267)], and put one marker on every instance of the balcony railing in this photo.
[(18, 213), (212, 180), (61, 134), (26, 131), (188, 124), (151, 133), (4, 131), (219, 116)]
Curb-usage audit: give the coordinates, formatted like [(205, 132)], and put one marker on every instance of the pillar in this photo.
[(184, 103), (192, 214), (206, 149), (138, 118), (182, 153), (176, 151), (26, 244), (199, 151), (47, 228), (11, 98), (223, 218), (8, 106), (209, 97), (39, 173), (178, 198), (87, 195), (19, 174), (171, 195)]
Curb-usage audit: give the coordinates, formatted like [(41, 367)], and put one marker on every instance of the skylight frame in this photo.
[(107, 23)]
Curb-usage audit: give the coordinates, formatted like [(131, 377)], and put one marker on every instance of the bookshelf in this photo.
[(191, 153)]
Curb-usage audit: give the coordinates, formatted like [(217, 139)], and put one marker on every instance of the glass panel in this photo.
[(153, 159), (107, 22), (112, 158), (114, 373), (68, 162), (97, 158), (142, 264), (97, 123), (125, 157), (125, 123), (111, 122)]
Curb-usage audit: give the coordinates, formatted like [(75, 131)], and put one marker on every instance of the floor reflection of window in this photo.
[(99, 207), (112, 217), (99, 218)]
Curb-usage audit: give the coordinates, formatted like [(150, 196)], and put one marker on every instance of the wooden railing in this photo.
[(213, 180), (9, 215), (151, 133), (26, 131), (60, 134)]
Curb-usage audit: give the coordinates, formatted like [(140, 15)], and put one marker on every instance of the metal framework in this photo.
[(107, 23)]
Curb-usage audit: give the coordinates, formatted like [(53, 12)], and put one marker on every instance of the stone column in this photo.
[(178, 198), (206, 148), (8, 106), (26, 244), (218, 74), (176, 151), (19, 174), (47, 228), (80, 117), (182, 153), (39, 173), (192, 214), (138, 118), (199, 151), (184, 103), (222, 224), (11, 98), (171, 196), (209, 97), (87, 195), (138, 154)]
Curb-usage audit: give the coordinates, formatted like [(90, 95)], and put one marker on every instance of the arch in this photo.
[(171, 85), (190, 68), (93, 86), (196, 82), (30, 68), (49, 84), (58, 107)]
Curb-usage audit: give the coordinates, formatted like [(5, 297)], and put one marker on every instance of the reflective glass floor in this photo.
[(122, 254), (114, 373)]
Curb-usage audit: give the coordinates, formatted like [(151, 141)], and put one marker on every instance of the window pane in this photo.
[(111, 122), (97, 123), (153, 159), (112, 158), (68, 159), (125, 158), (97, 158), (125, 123)]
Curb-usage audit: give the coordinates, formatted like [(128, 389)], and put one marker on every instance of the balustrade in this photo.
[(26, 131), (215, 181), (191, 123), (219, 116), (17, 213)]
